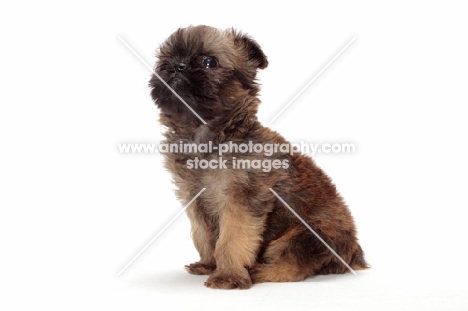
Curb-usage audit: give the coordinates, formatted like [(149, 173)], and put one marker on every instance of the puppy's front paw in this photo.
[(200, 268), (228, 281)]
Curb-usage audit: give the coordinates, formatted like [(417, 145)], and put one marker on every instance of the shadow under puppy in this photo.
[(243, 233)]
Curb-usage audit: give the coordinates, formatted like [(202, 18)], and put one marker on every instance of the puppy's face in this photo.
[(211, 70)]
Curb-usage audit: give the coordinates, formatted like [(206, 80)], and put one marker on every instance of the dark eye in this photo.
[(210, 62)]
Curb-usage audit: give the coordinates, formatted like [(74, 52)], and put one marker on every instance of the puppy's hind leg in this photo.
[(280, 262), (298, 255)]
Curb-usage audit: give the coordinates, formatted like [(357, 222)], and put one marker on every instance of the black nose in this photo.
[(181, 67)]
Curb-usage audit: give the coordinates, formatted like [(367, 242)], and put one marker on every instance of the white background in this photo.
[(74, 211)]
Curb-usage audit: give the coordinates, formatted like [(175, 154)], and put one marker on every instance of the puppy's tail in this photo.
[(357, 261)]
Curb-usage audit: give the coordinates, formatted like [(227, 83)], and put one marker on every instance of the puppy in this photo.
[(242, 231)]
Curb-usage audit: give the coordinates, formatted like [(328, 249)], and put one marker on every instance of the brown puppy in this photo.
[(243, 233)]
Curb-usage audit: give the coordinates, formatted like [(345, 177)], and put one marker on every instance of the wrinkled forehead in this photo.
[(200, 41)]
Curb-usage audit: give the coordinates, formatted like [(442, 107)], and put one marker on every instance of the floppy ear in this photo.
[(253, 50)]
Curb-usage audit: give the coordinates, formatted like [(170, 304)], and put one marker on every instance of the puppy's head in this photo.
[(212, 70)]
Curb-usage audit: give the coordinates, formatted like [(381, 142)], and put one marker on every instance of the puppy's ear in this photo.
[(252, 49)]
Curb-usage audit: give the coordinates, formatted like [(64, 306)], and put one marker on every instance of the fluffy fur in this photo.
[(243, 233)]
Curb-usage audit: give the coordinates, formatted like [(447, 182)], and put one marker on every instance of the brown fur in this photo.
[(242, 232)]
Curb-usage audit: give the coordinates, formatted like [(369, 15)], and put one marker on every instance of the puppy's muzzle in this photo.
[(181, 67)]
